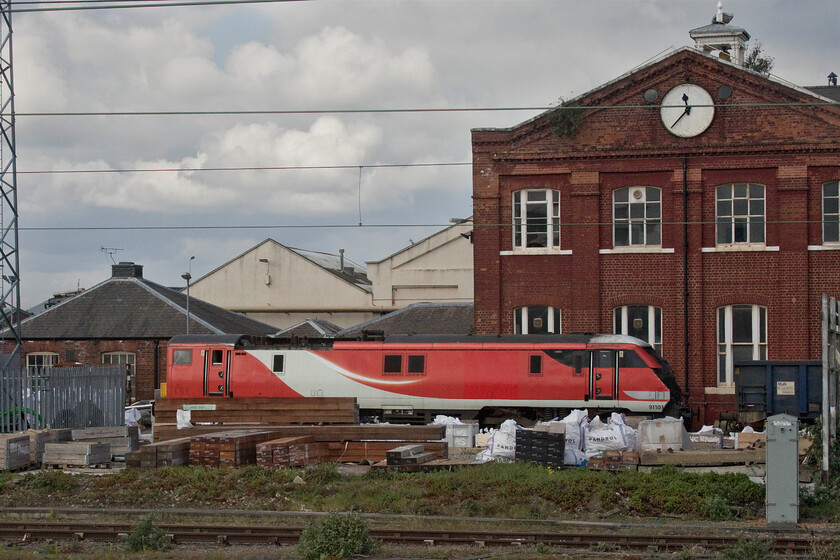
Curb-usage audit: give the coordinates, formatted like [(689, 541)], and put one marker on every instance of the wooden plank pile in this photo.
[(418, 458), (376, 451), (76, 454), (39, 438), (165, 453), (704, 458), (122, 439), (615, 461), (14, 452), (236, 413), (232, 448), (295, 451)]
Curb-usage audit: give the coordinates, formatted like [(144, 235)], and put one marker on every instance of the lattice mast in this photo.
[(9, 258)]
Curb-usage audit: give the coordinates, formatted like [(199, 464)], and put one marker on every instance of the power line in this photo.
[(216, 113), (123, 4), (249, 168), (371, 226)]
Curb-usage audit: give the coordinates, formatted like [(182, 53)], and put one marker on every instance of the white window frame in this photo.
[(621, 320), (758, 339), (750, 218), (521, 231), (833, 217), (131, 370), (637, 197), (521, 320), (32, 367)]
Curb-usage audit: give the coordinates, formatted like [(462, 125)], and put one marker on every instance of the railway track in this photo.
[(665, 539)]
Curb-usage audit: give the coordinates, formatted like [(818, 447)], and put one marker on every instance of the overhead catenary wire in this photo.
[(134, 4), (368, 225)]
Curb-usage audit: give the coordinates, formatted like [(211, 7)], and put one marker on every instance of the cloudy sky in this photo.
[(312, 68)]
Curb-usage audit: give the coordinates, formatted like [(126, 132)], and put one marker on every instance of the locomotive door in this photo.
[(603, 374), (217, 372)]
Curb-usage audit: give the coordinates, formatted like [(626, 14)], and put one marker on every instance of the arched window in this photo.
[(641, 321), (637, 217), (536, 218), (127, 359), (742, 336), (536, 319), (740, 214), (831, 212)]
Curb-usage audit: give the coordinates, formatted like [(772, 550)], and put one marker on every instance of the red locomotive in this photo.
[(414, 377)]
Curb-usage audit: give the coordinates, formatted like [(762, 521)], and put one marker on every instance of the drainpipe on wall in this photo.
[(156, 384), (687, 341)]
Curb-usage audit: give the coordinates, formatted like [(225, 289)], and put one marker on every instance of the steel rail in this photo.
[(665, 539)]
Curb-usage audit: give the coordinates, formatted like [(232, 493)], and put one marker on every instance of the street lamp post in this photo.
[(187, 276)]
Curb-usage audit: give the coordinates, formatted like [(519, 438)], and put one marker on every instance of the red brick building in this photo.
[(126, 320), (690, 202)]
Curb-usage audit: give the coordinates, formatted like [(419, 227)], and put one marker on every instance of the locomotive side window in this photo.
[(278, 363), (576, 359), (629, 359), (417, 364), (181, 357), (393, 364), (216, 358), (535, 369)]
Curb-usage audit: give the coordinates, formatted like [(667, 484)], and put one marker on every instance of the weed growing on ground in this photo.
[(52, 481), (748, 549), (146, 536), (336, 536)]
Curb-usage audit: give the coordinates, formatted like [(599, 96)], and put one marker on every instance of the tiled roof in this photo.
[(310, 328), (419, 318), (135, 308)]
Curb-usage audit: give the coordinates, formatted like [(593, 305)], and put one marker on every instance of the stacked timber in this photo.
[(296, 451), (122, 439), (163, 454), (77, 454), (704, 458), (615, 461), (288, 446), (39, 438), (418, 457), (232, 448), (377, 451), (213, 414), (14, 451)]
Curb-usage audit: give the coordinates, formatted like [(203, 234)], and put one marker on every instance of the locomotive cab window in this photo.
[(392, 364), (181, 357), (278, 363), (417, 364), (216, 357)]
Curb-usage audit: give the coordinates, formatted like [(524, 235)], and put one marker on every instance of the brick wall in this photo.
[(150, 357), (791, 152)]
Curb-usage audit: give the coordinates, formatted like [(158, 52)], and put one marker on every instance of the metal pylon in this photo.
[(9, 258)]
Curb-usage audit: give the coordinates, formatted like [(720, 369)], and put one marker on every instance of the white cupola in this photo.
[(728, 41)]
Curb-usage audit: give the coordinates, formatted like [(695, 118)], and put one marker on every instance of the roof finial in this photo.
[(719, 16)]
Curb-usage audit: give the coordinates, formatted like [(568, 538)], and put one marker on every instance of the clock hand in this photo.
[(684, 113), (687, 110)]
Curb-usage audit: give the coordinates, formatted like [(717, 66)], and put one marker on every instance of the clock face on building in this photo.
[(687, 110)]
